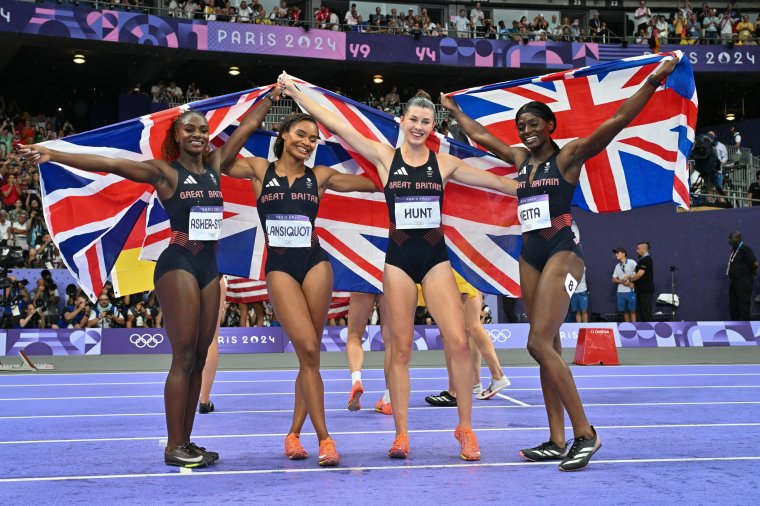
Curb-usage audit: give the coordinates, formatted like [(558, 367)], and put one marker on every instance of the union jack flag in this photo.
[(91, 215), (645, 164)]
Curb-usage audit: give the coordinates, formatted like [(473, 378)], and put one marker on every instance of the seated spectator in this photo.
[(245, 13), (377, 19), (360, 25), (642, 38)]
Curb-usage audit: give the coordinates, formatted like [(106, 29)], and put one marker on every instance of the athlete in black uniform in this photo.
[(186, 278), (414, 178), (299, 275), (551, 265)]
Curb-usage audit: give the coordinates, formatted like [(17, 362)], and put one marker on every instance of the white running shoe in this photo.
[(494, 387), (477, 388)]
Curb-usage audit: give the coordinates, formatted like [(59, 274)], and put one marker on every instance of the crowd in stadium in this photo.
[(682, 25)]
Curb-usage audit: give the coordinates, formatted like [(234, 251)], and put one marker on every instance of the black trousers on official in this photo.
[(644, 306), (740, 298)]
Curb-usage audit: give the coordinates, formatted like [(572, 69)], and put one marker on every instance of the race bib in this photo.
[(205, 223), (289, 231), (418, 212), (534, 213)]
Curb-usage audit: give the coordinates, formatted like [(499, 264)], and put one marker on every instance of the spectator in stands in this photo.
[(394, 17), (741, 270), (662, 29), (642, 38), (594, 27), (377, 19), (693, 29), (6, 138), (463, 25), (642, 15), (334, 22), (5, 225), (360, 25), (745, 31), (643, 281), (191, 9), (350, 17), (736, 135), (392, 99), (137, 316), (477, 18), (489, 31), (575, 30), (322, 17), (711, 25), (11, 192), (245, 13), (685, 9), (20, 231), (722, 154), (754, 191), (726, 28), (625, 297)]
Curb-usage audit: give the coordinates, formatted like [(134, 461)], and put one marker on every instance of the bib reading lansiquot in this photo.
[(289, 230)]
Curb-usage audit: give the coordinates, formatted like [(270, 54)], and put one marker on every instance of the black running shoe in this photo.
[(580, 453), (185, 456), (444, 399), (545, 451), (212, 456), (205, 408)]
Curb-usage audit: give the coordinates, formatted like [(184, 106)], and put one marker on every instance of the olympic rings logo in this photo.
[(143, 340), (500, 335)]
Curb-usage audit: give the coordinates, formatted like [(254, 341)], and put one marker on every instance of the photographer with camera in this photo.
[(105, 315), (139, 316), (709, 155), (50, 303), (32, 318), (76, 315)]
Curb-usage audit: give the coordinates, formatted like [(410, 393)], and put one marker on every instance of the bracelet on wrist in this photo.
[(654, 82)]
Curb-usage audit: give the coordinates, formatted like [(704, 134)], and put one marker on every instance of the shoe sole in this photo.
[(191, 465), (492, 392), (521, 454), (354, 403), (587, 463)]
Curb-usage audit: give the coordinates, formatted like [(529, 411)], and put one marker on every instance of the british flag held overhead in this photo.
[(481, 226), (645, 164), (90, 215)]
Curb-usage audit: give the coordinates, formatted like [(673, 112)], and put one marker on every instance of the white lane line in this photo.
[(476, 405), (379, 432), (280, 394), (510, 399), (402, 467), (348, 379), (290, 369)]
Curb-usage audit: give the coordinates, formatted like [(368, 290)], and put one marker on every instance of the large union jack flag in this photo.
[(92, 215), (645, 164)]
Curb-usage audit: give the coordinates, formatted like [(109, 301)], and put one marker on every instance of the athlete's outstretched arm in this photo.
[(465, 173), (251, 122), (377, 153), (573, 154), (339, 182), (479, 134), (140, 172)]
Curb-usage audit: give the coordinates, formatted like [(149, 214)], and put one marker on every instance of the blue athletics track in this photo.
[(686, 433)]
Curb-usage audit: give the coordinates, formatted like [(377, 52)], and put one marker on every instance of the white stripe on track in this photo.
[(263, 394), (378, 432), (476, 405), (510, 399), (133, 373), (348, 379), (402, 467)]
